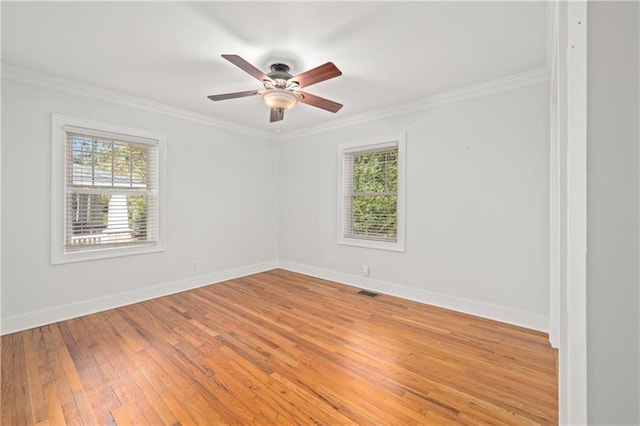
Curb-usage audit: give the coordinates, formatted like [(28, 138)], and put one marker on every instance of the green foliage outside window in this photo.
[(374, 198), (137, 209)]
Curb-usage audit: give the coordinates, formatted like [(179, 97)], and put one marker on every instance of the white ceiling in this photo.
[(390, 53)]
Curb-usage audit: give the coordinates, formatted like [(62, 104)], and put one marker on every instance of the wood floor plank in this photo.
[(34, 380), (55, 414), (278, 348), (21, 391), (9, 381)]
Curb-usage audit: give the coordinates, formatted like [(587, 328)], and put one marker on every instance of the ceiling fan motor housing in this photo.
[(280, 75)]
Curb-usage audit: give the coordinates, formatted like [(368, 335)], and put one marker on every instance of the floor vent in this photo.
[(366, 293)]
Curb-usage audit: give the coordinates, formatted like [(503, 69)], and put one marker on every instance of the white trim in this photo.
[(396, 139), (1, 75), (98, 133), (556, 170), (485, 310), (576, 309), (24, 75), (561, 101), (61, 313), (555, 237), (516, 81), (639, 210), (59, 123), (377, 144)]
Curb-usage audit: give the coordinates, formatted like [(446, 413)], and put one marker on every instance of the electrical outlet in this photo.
[(194, 266), (365, 270)]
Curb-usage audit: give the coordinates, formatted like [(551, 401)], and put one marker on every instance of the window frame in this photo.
[(397, 139), (59, 222)]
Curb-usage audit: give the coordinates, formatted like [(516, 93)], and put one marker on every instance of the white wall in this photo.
[(477, 207), (612, 213), (477, 203), (222, 210)]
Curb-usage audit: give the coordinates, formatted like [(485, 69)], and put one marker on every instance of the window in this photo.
[(106, 197), (371, 193)]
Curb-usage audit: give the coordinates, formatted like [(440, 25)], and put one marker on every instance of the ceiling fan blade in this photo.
[(232, 95), (319, 102), (277, 114), (246, 67), (318, 74)]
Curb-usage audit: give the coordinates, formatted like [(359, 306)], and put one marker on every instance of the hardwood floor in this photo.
[(278, 348)]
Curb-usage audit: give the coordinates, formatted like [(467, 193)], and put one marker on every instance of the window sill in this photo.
[(378, 245), (104, 253)]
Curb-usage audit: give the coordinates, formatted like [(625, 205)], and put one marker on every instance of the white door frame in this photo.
[(568, 208)]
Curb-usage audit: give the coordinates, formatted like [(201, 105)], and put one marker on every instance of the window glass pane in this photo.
[(89, 213), (372, 195), (98, 162), (374, 217), (376, 172), (107, 219), (140, 164), (109, 199), (121, 161), (137, 216)]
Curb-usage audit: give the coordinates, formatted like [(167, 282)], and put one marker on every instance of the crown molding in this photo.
[(515, 81), (24, 75)]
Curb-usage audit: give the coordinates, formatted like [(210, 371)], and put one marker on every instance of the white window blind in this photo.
[(370, 191), (111, 190)]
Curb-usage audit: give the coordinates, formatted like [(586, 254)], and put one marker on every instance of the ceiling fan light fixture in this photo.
[(281, 88), (280, 99)]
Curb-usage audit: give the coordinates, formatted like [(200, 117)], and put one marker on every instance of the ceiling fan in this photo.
[(281, 89)]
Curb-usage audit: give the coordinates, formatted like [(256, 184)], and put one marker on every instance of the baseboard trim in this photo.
[(485, 310), (60, 313)]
